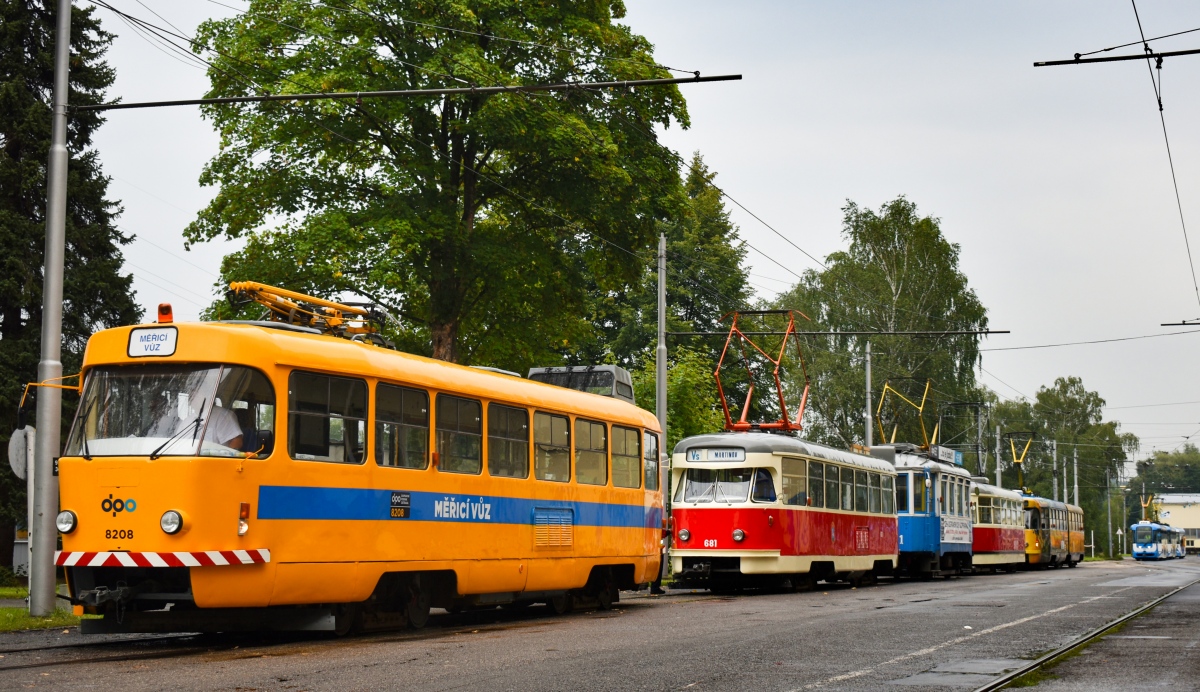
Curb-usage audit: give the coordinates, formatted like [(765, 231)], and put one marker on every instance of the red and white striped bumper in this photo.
[(203, 558)]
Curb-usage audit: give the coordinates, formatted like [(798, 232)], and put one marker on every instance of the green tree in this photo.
[(899, 273), (469, 215), (706, 278), (692, 404), (1175, 471), (96, 294), (1068, 412)]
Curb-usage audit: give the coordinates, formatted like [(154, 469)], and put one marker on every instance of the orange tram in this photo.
[(298, 474)]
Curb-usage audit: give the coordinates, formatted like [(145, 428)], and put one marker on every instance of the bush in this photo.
[(7, 578)]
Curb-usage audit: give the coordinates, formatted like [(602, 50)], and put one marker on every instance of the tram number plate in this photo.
[(401, 505), (710, 543)]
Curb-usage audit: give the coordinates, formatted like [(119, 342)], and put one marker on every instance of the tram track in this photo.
[(1008, 678)]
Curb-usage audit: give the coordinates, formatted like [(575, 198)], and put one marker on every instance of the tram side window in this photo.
[(551, 447), (326, 418), (795, 481), (764, 486), (626, 457), (889, 495), (591, 452), (250, 424), (508, 441), (941, 501), (1032, 519), (816, 484), (459, 434), (902, 493), (875, 503), (983, 510), (651, 451), (860, 491), (401, 427), (920, 493), (848, 489), (833, 486)]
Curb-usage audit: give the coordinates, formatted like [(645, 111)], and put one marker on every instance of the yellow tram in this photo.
[(1053, 533), (269, 475)]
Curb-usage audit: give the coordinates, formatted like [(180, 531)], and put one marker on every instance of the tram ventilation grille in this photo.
[(553, 528)]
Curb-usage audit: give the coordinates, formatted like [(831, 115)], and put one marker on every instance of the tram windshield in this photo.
[(715, 485), (174, 410), (1143, 534)]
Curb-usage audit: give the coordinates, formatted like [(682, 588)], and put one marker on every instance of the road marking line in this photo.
[(957, 640)]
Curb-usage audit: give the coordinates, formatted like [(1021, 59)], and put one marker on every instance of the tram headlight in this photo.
[(171, 522), (684, 535), (65, 521), (739, 535)]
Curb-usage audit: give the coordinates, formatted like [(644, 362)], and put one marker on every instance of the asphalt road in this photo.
[(1159, 650), (941, 634)]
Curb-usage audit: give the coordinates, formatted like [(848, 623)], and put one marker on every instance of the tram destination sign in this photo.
[(716, 454), (152, 341)]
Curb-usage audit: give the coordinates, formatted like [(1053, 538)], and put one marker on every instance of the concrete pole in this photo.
[(1076, 464), (1054, 467), (1108, 505), (998, 485), (43, 534), (867, 438), (660, 357), (979, 441)]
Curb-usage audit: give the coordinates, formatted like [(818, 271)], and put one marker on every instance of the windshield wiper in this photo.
[(194, 425), (83, 429)]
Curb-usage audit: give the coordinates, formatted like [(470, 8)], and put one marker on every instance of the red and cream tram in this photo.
[(761, 509), (999, 527)]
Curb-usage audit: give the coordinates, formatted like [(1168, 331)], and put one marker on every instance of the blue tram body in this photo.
[(933, 505), (1155, 541)]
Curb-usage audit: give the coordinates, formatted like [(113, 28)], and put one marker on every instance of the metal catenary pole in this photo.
[(868, 438), (1054, 467), (43, 534), (979, 442), (998, 485)]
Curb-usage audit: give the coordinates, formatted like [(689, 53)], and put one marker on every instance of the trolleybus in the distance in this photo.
[(269, 475), (1053, 533), (754, 509), (998, 531), (1155, 541), (933, 503)]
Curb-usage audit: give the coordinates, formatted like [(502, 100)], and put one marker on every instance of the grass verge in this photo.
[(13, 592), (18, 619)]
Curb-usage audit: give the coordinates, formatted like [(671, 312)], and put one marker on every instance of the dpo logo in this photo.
[(114, 506)]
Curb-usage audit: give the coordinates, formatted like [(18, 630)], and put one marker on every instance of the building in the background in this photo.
[(1182, 510)]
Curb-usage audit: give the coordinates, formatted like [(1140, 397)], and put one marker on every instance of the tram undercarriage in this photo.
[(159, 600), (719, 574)]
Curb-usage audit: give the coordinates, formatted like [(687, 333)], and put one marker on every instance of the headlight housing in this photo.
[(684, 535), (171, 522), (65, 521), (739, 535)]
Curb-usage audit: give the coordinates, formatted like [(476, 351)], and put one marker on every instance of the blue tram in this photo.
[(933, 506), (1155, 541)]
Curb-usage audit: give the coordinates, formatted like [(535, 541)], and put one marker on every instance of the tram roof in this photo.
[(997, 491), (778, 443), (1046, 502), (906, 460), (264, 345)]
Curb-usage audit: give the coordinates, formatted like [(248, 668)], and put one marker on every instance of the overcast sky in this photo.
[(1054, 181)]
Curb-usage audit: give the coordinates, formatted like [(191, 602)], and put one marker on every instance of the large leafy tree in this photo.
[(898, 273), (1072, 415), (96, 293), (481, 220)]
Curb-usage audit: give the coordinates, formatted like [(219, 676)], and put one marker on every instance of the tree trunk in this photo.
[(445, 341)]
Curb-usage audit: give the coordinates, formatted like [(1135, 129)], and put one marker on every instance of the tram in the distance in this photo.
[(770, 509), (1053, 533), (272, 475), (1156, 541), (998, 532)]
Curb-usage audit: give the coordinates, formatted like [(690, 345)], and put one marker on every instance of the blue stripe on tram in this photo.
[(302, 502)]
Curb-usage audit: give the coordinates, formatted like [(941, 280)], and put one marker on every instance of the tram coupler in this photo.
[(102, 594)]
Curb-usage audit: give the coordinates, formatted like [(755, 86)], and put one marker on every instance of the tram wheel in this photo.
[(803, 582), (417, 608), (346, 618), (561, 604)]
